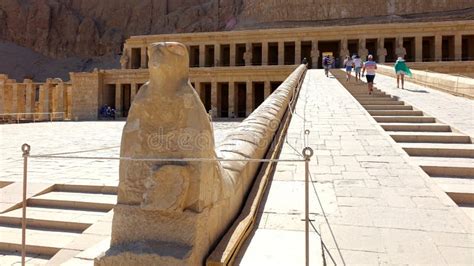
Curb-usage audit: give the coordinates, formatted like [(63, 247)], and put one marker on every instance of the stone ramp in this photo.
[(451, 163), (62, 221), (381, 208)]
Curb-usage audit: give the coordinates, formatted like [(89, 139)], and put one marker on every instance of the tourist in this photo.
[(326, 65), (305, 61), (370, 66), (401, 69), (357, 67), (348, 64)]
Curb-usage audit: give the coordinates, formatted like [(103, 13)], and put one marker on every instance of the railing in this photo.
[(34, 116)]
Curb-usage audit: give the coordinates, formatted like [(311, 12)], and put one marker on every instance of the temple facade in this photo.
[(234, 71)]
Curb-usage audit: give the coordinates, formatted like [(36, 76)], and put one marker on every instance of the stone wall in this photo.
[(303, 10), (85, 95), (456, 85)]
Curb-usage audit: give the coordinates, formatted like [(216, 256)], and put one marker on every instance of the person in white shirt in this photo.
[(357, 67), (348, 65)]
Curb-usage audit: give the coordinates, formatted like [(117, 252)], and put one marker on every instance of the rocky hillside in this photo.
[(61, 29)]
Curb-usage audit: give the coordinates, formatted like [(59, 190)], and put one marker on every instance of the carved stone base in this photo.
[(147, 253)]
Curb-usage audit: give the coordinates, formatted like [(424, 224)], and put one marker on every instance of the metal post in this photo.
[(307, 153), (26, 152)]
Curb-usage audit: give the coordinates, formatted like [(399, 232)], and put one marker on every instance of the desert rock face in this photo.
[(85, 28)]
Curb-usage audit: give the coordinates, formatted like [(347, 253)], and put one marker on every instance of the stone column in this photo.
[(133, 92), (44, 101), (264, 53), (232, 99), (418, 48), (267, 88), (143, 55), (281, 53), (60, 99), (458, 47), (214, 100), (118, 100), (400, 51), (232, 54), (29, 99), (202, 55), (14, 102), (363, 51), (438, 47), (344, 51), (217, 55), (381, 50), (249, 100), (248, 54), (298, 52), (315, 54)]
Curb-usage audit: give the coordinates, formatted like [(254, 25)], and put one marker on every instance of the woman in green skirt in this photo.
[(401, 70)]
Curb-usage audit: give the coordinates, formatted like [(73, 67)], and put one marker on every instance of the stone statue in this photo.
[(124, 60), (363, 51), (400, 51), (166, 201)]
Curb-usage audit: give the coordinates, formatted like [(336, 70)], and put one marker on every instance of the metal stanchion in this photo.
[(307, 153), (26, 152)]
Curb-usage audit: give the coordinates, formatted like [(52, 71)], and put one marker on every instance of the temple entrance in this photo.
[(468, 47), (306, 48), (223, 99), (274, 85), (273, 53), (126, 99), (258, 93), (256, 54), (241, 97), (447, 48), (205, 95), (209, 55), (239, 54), (329, 47), (194, 56), (428, 46), (136, 58), (289, 53), (353, 47), (409, 45), (371, 46), (225, 55), (389, 44), (108, 96)]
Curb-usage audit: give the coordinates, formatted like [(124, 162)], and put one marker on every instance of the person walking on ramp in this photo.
[(370, 66), (401, 69)]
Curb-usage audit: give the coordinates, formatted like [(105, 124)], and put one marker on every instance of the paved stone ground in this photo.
[(382, 208), (59, 137), (453, 110)]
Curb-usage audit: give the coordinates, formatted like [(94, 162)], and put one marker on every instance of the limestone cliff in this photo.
[(86, 29)]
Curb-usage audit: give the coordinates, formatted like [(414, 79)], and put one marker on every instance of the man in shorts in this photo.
[(357, 67), (370, 66)]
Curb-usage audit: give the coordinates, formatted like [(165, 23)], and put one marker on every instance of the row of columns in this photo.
[(232, 94), (26, 99), (119, 97)]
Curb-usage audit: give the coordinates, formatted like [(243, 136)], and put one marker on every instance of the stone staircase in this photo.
[(56, 218), (446, 155)]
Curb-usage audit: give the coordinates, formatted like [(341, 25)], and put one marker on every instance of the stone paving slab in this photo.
[(382, 208), (453, 110)]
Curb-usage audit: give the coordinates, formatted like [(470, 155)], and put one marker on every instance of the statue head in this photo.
[(168, 58)]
